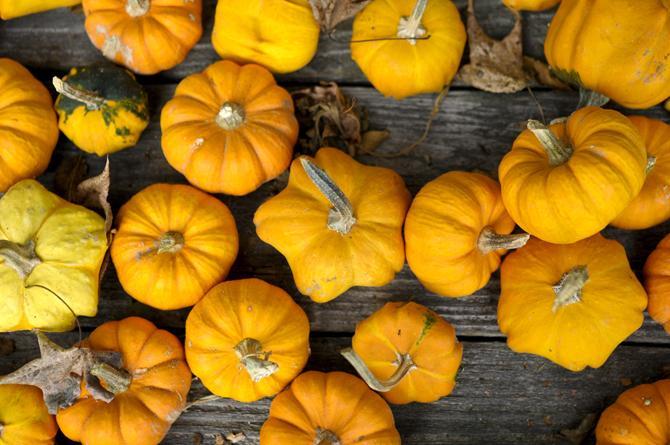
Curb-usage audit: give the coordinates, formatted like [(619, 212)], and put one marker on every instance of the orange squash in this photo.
[(657, 282), (530, 5), (24, 419), (456, 231), (229, 129), (173, 244), (247, 340), (327, 409)]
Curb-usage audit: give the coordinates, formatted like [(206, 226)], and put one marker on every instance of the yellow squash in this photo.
[(10, 9), (24, 419)]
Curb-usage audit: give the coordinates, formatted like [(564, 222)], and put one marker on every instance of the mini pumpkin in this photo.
[(657, 283), (101, 108), (173, 244), (566, 182), (24, 419), (28, 126), (281, 35), (456, 231), (407, 352), (589, 44), (229, 129), (50, 257), (149, 392), (338, 223), (329, 408), (247, 340), (146, 36), (570, 303), (530, 5), (10, 9), (408, 47)]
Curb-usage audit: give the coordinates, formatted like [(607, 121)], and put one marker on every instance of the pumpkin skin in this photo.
[(657, 283), (238, 312), (10, 9), (116, 123), (28, 127), (530, 5), (281, 35), (326, 262), (577, 324), (563, 201), (589, 43), (402, 68), (324, 408), (146, 36), (24, 419), (156, 396), (48, 242), (229, 129), (652, 205), (173, 244), (446, 231), (639, 416)]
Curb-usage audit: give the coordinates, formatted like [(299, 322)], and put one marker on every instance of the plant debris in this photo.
[(6, 346), (330, 13), (235, 437), (577, 435)]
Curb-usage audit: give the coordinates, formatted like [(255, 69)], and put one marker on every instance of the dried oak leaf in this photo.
[(330, 13), (576, 436)]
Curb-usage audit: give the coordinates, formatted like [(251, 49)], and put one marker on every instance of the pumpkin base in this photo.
[(326, 437)]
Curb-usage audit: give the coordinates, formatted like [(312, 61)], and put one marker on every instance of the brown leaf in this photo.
[(94, 192), (540, 71), (235, 437), (69, 175), (330, 13), (577, 435), (373, 139)]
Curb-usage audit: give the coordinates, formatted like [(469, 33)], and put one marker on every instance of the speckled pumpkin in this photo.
[(24, 419)]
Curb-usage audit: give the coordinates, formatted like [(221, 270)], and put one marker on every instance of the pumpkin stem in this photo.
[(651, 162), (569, 288), (410, 28), (88, 98), (21, 258), (170, 242), (138, 8), (590, 98), (255, 360), (557, 151), (341, 216), (405, 365), (230, 116), (114, 380), (326, 437), (490, 241)]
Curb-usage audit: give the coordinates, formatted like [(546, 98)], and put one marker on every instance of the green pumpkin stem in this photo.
[(569, 288), (88, 98), (410, 28), (651, 162), (137, 8), (590, 98), (21, 258), (557, 151), (254, 359), (114, 380), (405, 366), (490, 241), (326, 437)]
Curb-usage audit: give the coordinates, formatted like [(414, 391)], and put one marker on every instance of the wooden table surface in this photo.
[(501, 397)]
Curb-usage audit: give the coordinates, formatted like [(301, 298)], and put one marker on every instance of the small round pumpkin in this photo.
[(28, 126), (407, 352), (10, 9), (338, 223), (408, 47), (229, 129), (530, 5), (149, 392), (24, 419), (329, 408), (567, 182), (456, 231), (173, 244), (281, 35), (570, 303), (657, 283), (247, 340), (146, 36), (101, 108)]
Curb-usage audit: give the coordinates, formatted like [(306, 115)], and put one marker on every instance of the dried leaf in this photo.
[(219, 440), (235, 437), (94, 192), (373, 139), (69, 174), (330, 13), (540, 71), (576, 436)]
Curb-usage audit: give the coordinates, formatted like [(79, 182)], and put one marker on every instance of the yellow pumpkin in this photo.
[(408, 47), (530, 5), (617, 48), (338, 223), (657, 283), (247, 340), (24, 419), (565, 183), (281, 35), (456, 231), (10, 9), (50, 257), (570, 303)]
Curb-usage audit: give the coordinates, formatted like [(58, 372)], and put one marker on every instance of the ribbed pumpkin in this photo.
[(456, 231), (408, 47), (567, 182), (149, 392), (28, 126), (329, 408), (281, 35), (572, 304), (229, 129), (247, 340), (338, 223), (146, 36), (10, 9), (530, 5), (407, 352), (173, 244), (657, 283), (618, 48), (24, 419)]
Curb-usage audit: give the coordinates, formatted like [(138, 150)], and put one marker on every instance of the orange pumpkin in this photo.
[(149, 392), (24, 419), (247, 340), (146, 36), (456, 231), (229, 129), (328, 409), (173, 244), (657, 282), (530, 5), (407, 352)]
